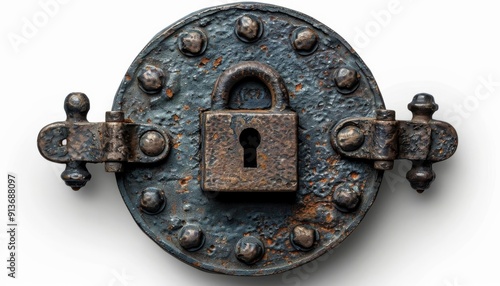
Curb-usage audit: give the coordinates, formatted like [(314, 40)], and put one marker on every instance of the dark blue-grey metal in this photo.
[(248, 139), (309, 71)]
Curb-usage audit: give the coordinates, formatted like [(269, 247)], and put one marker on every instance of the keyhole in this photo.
[(250, 140)]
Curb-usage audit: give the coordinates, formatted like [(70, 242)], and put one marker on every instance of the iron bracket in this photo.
[(114, 142), (383, 139)]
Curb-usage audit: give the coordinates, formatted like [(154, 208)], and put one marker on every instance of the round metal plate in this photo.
[(170, 84)]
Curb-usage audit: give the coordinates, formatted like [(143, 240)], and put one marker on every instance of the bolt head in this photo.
[(346, 199), (249, 250), (350, 138), (151, 79), (303, 238), (191, 237), (346, 79), (304, 40), (152, 143), (152, 200), (192, 43), (248, 28)]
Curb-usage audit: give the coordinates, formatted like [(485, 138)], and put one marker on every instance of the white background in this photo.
[(448, 236)]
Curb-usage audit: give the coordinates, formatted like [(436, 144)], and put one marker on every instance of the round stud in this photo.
[(346, 199), (249, 250), (304, 40), (248, 28), (192, 43), (350, 138), (151, 79), (303, 238), (346, 79), (152, 143), (152, 200), (191, 237)]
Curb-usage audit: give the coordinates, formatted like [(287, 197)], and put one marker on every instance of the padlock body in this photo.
[(223, 156)]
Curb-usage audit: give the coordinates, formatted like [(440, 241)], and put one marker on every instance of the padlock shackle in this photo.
[(250, 69)]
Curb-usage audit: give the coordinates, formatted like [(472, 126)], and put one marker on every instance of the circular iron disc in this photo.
[(333, 194)]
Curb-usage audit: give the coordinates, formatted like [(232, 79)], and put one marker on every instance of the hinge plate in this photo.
[(114, 142)]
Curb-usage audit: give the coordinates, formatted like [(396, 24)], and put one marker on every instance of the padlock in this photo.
[(249, 150)]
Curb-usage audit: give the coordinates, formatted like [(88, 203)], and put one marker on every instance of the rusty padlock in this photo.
[(249, 150)]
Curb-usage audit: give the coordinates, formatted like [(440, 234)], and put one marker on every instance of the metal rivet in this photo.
[(152, 143), (304, 40), (248, 28), (192, 43), (249, 250), (303, 238), (346, 199), (350, 138), (191, 237), (152, 200), (151, 79), (346, 79)]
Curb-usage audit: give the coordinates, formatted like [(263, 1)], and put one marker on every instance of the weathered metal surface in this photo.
[(326, 82), (237, 77), (383, 139), (114, 142), (249, 150)]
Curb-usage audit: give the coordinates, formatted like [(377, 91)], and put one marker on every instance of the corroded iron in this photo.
[(248, 139), (114, 142), (249, 150), (383, 139)]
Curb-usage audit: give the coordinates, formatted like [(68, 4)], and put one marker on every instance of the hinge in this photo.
[(115, 142), (384, 139)]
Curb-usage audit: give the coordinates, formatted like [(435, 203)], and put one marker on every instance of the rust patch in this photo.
[(329, 218), (169, 93), (183, 182), (264, 48), (331, 160), (354, 175), (182, 191), (203, 62), (186, 107), (298, 87), (175, 117), (217, 62)]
